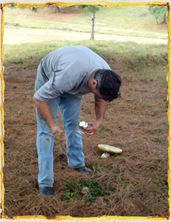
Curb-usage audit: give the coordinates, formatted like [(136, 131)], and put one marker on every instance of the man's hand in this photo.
[(44, 111), (92, 127), (57, 132)]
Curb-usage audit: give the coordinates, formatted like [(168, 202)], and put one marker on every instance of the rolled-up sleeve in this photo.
[(45, 92), (58, 84)]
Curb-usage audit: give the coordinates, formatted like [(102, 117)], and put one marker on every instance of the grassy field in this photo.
[(133, 183), (128, 21), (143, 54)]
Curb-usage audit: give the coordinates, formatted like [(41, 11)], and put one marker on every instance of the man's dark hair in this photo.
[(108, 84)]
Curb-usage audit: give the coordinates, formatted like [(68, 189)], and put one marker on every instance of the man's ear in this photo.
[(94, 83)]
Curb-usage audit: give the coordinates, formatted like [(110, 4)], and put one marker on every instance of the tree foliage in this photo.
[(160, 13), (90, 8)]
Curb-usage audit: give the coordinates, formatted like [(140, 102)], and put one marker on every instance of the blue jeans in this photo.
[(70, 111)]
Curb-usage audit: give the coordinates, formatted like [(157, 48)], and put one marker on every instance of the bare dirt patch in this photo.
[(137, 123), (13, 35)]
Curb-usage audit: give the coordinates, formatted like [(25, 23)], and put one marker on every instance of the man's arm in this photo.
[(44, 111), (100, 107)]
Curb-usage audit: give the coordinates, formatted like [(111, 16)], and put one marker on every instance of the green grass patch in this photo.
[(132, 55), (83, 190), (96, 169), (159, 141), (105, 129)]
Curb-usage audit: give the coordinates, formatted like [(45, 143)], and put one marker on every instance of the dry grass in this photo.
[(136, 122)]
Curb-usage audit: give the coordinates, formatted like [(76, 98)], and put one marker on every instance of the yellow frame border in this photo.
[(69, 218)]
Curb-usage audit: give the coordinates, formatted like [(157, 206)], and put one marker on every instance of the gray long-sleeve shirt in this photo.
[(67, 70)]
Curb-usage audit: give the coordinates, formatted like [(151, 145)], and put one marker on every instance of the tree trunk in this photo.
[(92, 26), (57, 9)]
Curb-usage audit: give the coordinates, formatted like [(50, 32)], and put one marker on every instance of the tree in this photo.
[(57, 9), (93, 10), (34, 8), (12, 5), (160, 13)]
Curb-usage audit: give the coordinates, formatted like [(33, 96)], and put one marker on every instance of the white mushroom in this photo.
[(83, 124), (105, 155)]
